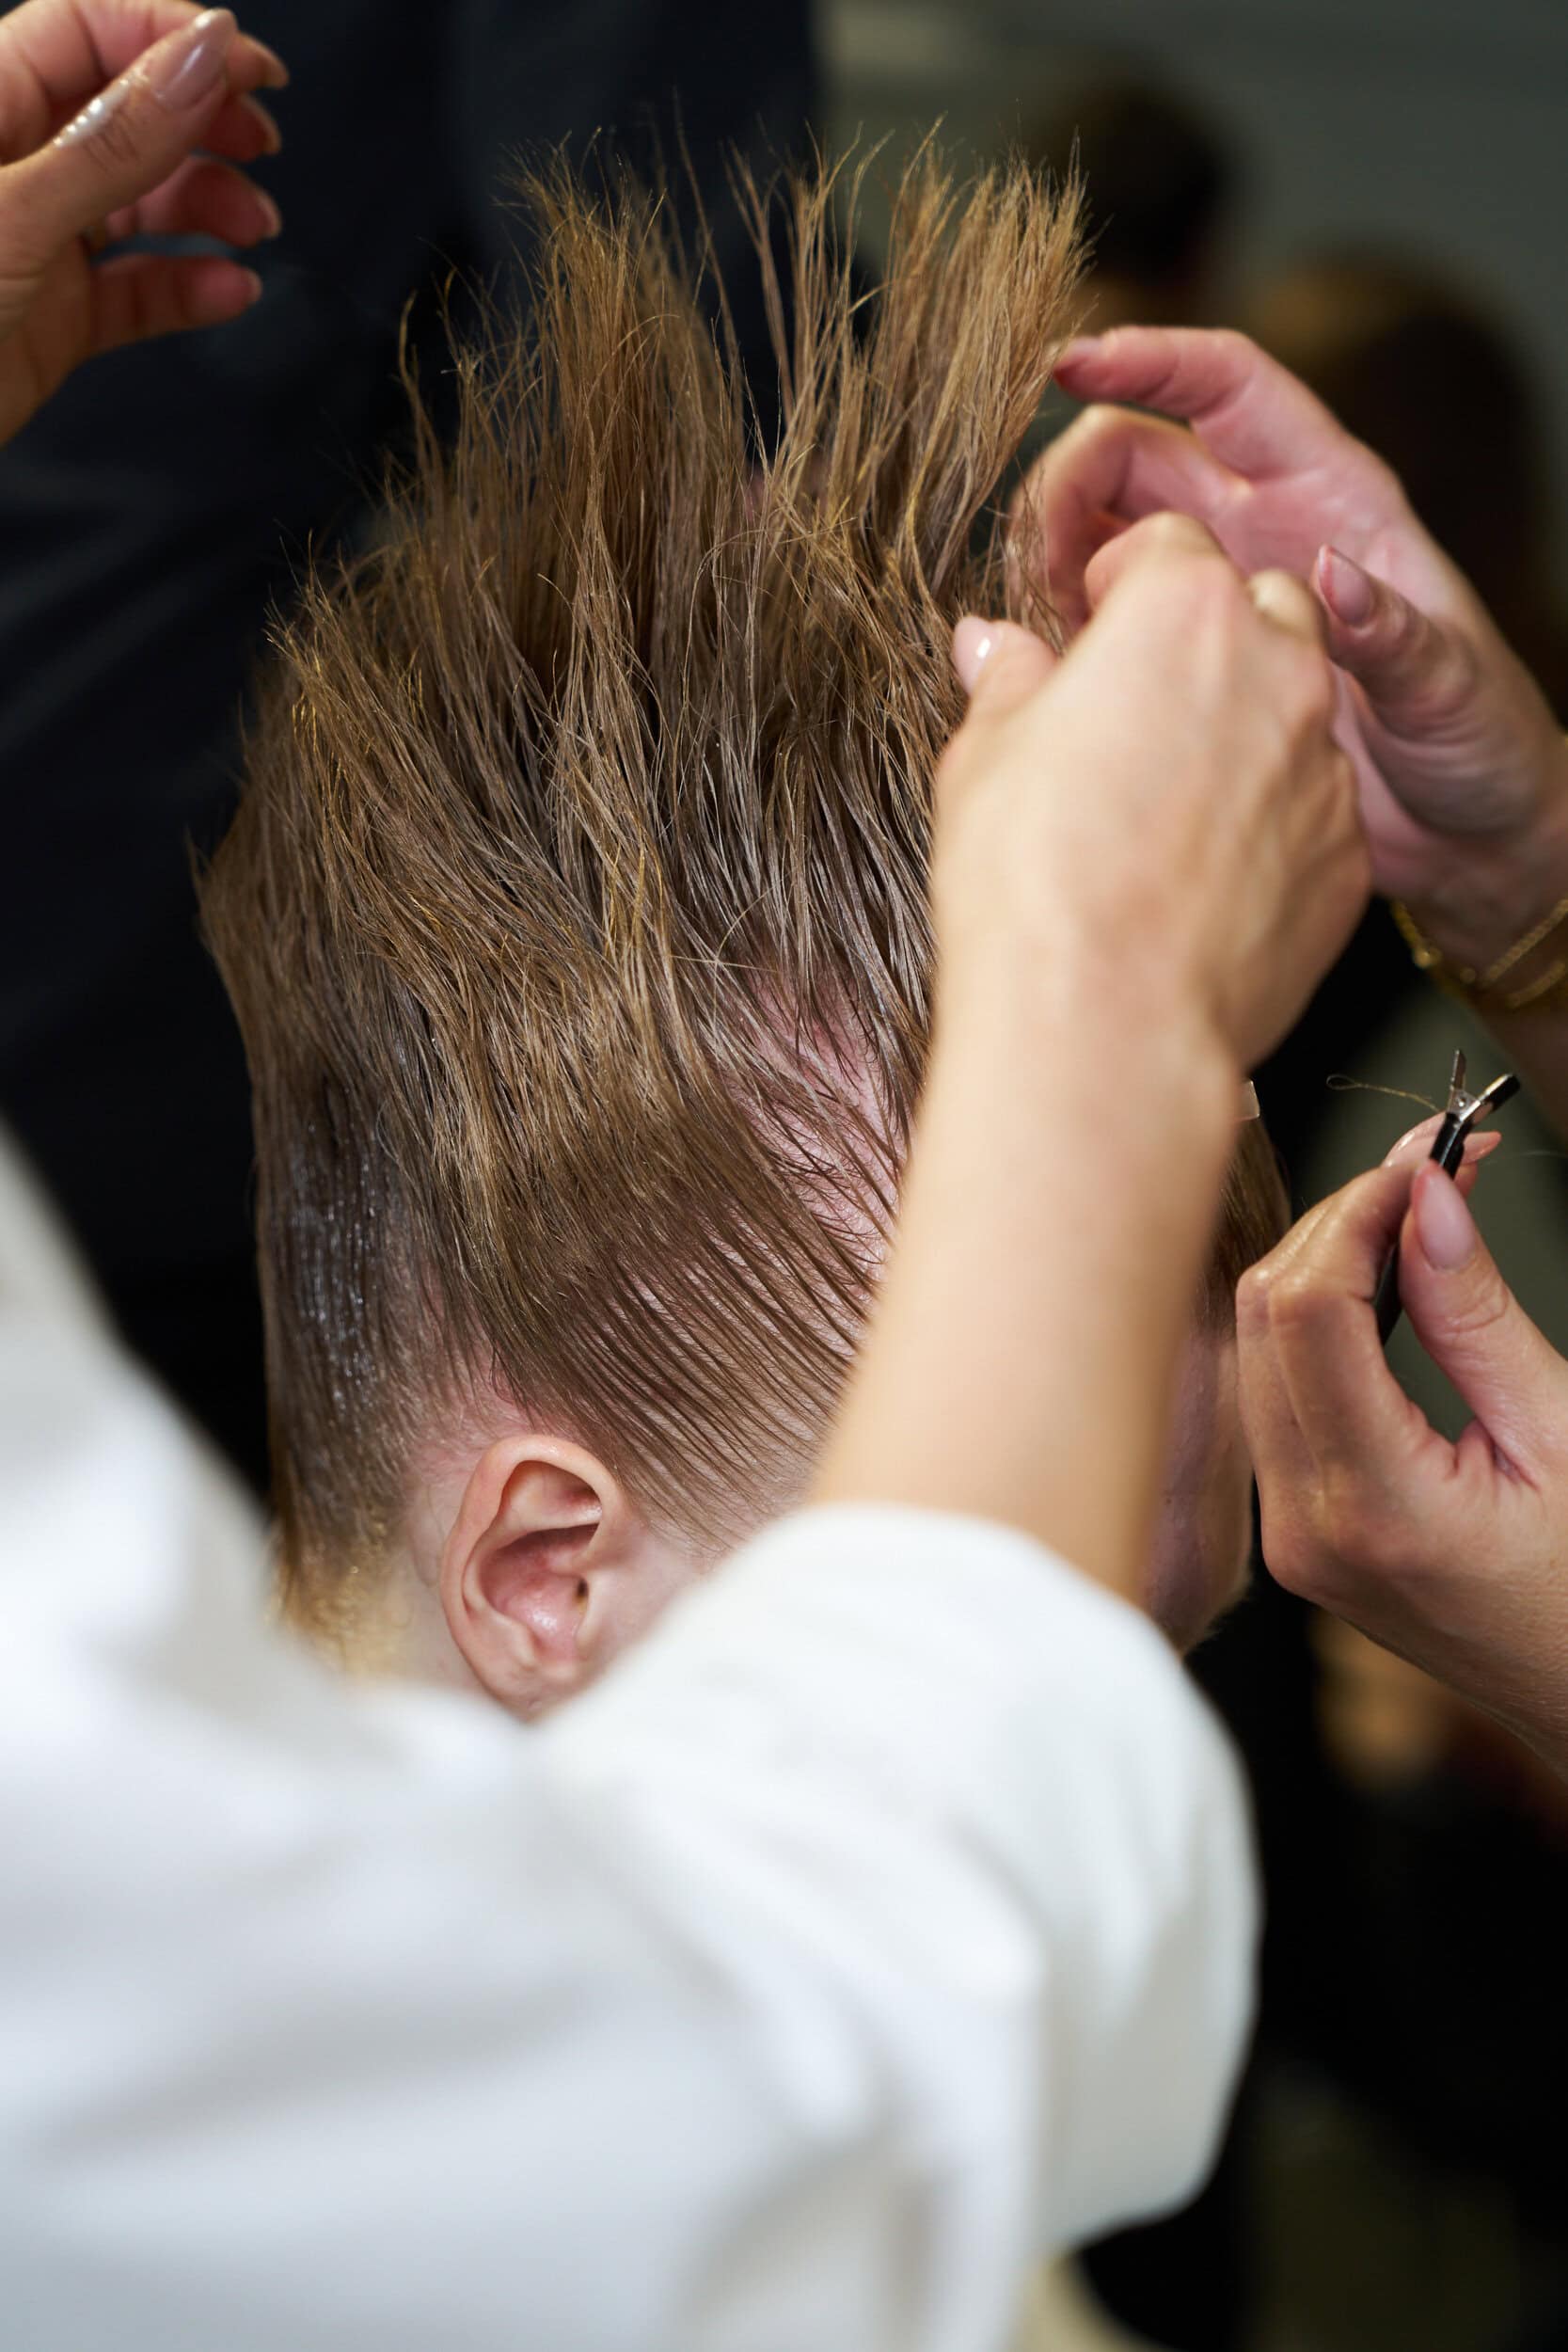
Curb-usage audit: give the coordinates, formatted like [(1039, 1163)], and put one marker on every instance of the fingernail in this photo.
[(1444, 1226), (188, 66), (1081, 347), (253, 286), (1417, 1143), (274, 218), (270, 131), (972, 646), (277, 75), (1347, 590), (1421, 1135)]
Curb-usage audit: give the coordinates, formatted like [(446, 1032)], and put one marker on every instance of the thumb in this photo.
[(1411, 669), (1473, 1327), (999, 665), (123, 145)]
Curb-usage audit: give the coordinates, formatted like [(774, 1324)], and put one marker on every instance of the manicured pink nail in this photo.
[(1418, 1142), (1422, 1135), (1347, 590), (188, 67), (1444, 1226)]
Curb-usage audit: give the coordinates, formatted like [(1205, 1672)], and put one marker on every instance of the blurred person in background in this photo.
[(141, 557), (1161, 187), (1422, 372)]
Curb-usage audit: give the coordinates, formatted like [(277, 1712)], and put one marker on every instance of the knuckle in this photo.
[(1482, 1312), (1239, 352), (1294, 1552), (1099, 420), (115, 142), (1299, 1307), (1180, 534), (1207, 594), (1255, 1297)]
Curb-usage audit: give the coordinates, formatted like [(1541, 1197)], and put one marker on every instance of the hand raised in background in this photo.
[(103, 104), (1462, 771)]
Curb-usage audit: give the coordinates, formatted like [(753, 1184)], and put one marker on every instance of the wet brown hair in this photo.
[(574, 912)]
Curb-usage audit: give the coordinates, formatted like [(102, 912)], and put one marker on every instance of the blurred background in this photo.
[(1375, 188)]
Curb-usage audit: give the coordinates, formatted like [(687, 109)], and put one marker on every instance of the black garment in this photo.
[(147, 516)]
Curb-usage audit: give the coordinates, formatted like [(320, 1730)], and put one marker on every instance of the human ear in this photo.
[(533, 1569)]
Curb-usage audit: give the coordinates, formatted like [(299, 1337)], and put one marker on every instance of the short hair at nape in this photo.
[(575, 908)]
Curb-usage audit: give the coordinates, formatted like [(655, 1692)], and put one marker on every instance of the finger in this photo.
[(244, 131), (54, 59), (1474, 1328), (135, 134), (144, 295), (1414, 671), (1416, 1144), (1107, 469), (1281, 1462), (1331, 1244), (1246, 409), (202, 199), (1285, 600), (1345, 1399), (999, 665), (1157, 537)]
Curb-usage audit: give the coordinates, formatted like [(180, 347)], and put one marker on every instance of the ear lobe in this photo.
[(540, 1523)]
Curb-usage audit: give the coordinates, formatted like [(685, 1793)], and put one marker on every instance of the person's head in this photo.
[(1160, 184), (576, 918)]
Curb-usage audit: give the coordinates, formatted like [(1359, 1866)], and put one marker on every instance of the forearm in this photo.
[(1028, 1384)]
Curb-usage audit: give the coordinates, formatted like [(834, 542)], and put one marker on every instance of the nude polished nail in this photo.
[(1350, 592), (183, 71), (1443, 1224)]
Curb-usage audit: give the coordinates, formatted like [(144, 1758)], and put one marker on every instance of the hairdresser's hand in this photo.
[(102, 104), (1145, 856), (1163, 814), (1463, 772), (1455, 1556)]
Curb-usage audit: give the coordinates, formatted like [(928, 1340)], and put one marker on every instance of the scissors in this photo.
[(1464, 1109)]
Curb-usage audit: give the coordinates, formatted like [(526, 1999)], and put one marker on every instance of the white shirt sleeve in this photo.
[(885, 1919)]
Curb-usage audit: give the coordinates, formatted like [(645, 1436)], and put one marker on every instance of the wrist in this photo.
[(1497, 893), (1079, 1038), (1061, 1181)]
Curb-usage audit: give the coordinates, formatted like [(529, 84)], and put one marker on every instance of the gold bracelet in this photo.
[(1478, 987)]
